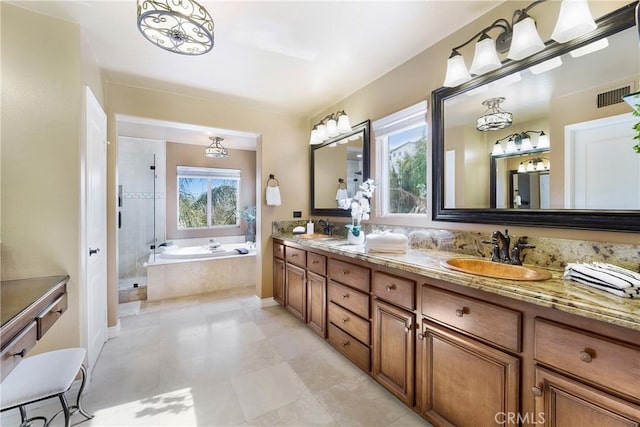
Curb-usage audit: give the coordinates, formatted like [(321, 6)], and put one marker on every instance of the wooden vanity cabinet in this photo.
[(394, 323), (465, 382), (278, 273), (574, 371), (317, 293), (296, 291)]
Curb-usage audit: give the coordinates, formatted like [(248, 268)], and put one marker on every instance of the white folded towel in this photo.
[(273, 196), (386, 243), (342, 197), (613, 279)]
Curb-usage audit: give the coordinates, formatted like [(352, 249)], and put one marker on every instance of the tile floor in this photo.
[(220, 360)]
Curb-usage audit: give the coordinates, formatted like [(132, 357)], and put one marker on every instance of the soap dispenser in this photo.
[(310, 227)]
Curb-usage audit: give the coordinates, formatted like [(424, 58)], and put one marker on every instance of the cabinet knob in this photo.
[(345, 296), (20, 354), (407, 329), (315, 261), (344, 272), (537, 391), (461, 311), (420, 336), (585, 357), (391, 287), (346, 343), (345, 320)]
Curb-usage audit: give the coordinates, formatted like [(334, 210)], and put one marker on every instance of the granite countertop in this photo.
[(564, 295)]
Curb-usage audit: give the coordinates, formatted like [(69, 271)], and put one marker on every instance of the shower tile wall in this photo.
[(135, 157)]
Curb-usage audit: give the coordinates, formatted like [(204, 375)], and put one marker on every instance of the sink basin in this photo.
[(483, 267), (314, 236)]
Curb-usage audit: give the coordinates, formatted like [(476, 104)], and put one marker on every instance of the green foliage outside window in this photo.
[(193, 202), (407, 181)]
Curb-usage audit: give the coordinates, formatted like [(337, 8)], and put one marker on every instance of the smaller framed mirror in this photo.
[(338, 167)]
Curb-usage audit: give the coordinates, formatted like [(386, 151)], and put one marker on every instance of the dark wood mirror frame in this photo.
[(364, 127), (615, 220)]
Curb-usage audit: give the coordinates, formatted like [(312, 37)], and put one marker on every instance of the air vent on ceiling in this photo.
[(613, 96)]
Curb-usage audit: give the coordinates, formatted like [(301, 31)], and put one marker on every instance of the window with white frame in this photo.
[(208, 197), (401, 152)]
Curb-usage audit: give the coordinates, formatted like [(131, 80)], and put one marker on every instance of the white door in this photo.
[(96, 229), (601, 169)]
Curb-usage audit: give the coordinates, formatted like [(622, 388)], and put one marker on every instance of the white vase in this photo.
[(355, 240)]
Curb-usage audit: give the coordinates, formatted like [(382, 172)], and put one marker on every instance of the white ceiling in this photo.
[(292, 56)]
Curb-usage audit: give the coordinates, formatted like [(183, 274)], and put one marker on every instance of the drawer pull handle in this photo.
[(345, 296), (20, 354), (93, 251), (345, 272), (59, 312), (420, 336), (585, 357), (294, 255), (346, 343), (391, 287), (315, 261), (462, 311), (407, 329), (345, 320), (536, 391)]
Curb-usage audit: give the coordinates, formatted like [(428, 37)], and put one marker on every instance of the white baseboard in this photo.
[(266, 302), (113, 331)]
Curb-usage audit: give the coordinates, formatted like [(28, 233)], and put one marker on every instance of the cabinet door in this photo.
[(317, 303), (278, 281), (393, 349), (465, 382), (561, 401), (296, 291)]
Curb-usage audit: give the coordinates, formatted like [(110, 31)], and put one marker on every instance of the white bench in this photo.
[(42, 377)]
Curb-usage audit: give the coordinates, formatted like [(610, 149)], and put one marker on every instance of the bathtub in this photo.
[(189, 267)]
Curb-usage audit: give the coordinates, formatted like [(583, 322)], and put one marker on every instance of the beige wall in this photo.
[(283, 150), (43, 70), (414, 81), (193, 155)]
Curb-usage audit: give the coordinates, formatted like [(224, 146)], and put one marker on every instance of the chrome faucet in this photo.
[(501, 251), (327, 227)]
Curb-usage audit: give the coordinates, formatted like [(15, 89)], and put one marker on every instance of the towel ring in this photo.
[(342, 185), (272, 178)]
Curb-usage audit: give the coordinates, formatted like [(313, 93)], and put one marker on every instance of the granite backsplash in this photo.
[(548, 252)]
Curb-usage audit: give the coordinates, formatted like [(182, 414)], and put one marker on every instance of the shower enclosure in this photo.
[(141, 212)]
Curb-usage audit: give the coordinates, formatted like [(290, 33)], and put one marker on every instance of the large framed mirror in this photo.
[(567, 159), (338, 167)]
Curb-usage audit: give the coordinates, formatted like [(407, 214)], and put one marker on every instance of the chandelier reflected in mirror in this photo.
[(179, 26), (215, 149), (494, 118)]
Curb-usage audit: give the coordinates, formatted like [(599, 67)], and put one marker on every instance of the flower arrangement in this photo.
[(360, 206)]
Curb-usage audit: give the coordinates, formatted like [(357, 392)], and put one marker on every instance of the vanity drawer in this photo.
[(50, 314), (278, 250), (317, 263), (349, 274), (355, 351), (295, 256), (595, 358), (489, 322), (17, 348), (396, 290), (349, 298), (349, 322)]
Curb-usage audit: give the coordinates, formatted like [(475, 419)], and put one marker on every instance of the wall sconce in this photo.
[(520, 142), (519, 37), (331, 126)]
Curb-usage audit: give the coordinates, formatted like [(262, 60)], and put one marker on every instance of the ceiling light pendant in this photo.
[(216, 149), (575, 20), (179, 26), (493, 118), (525, 40), (457, 72), (485, 58)]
